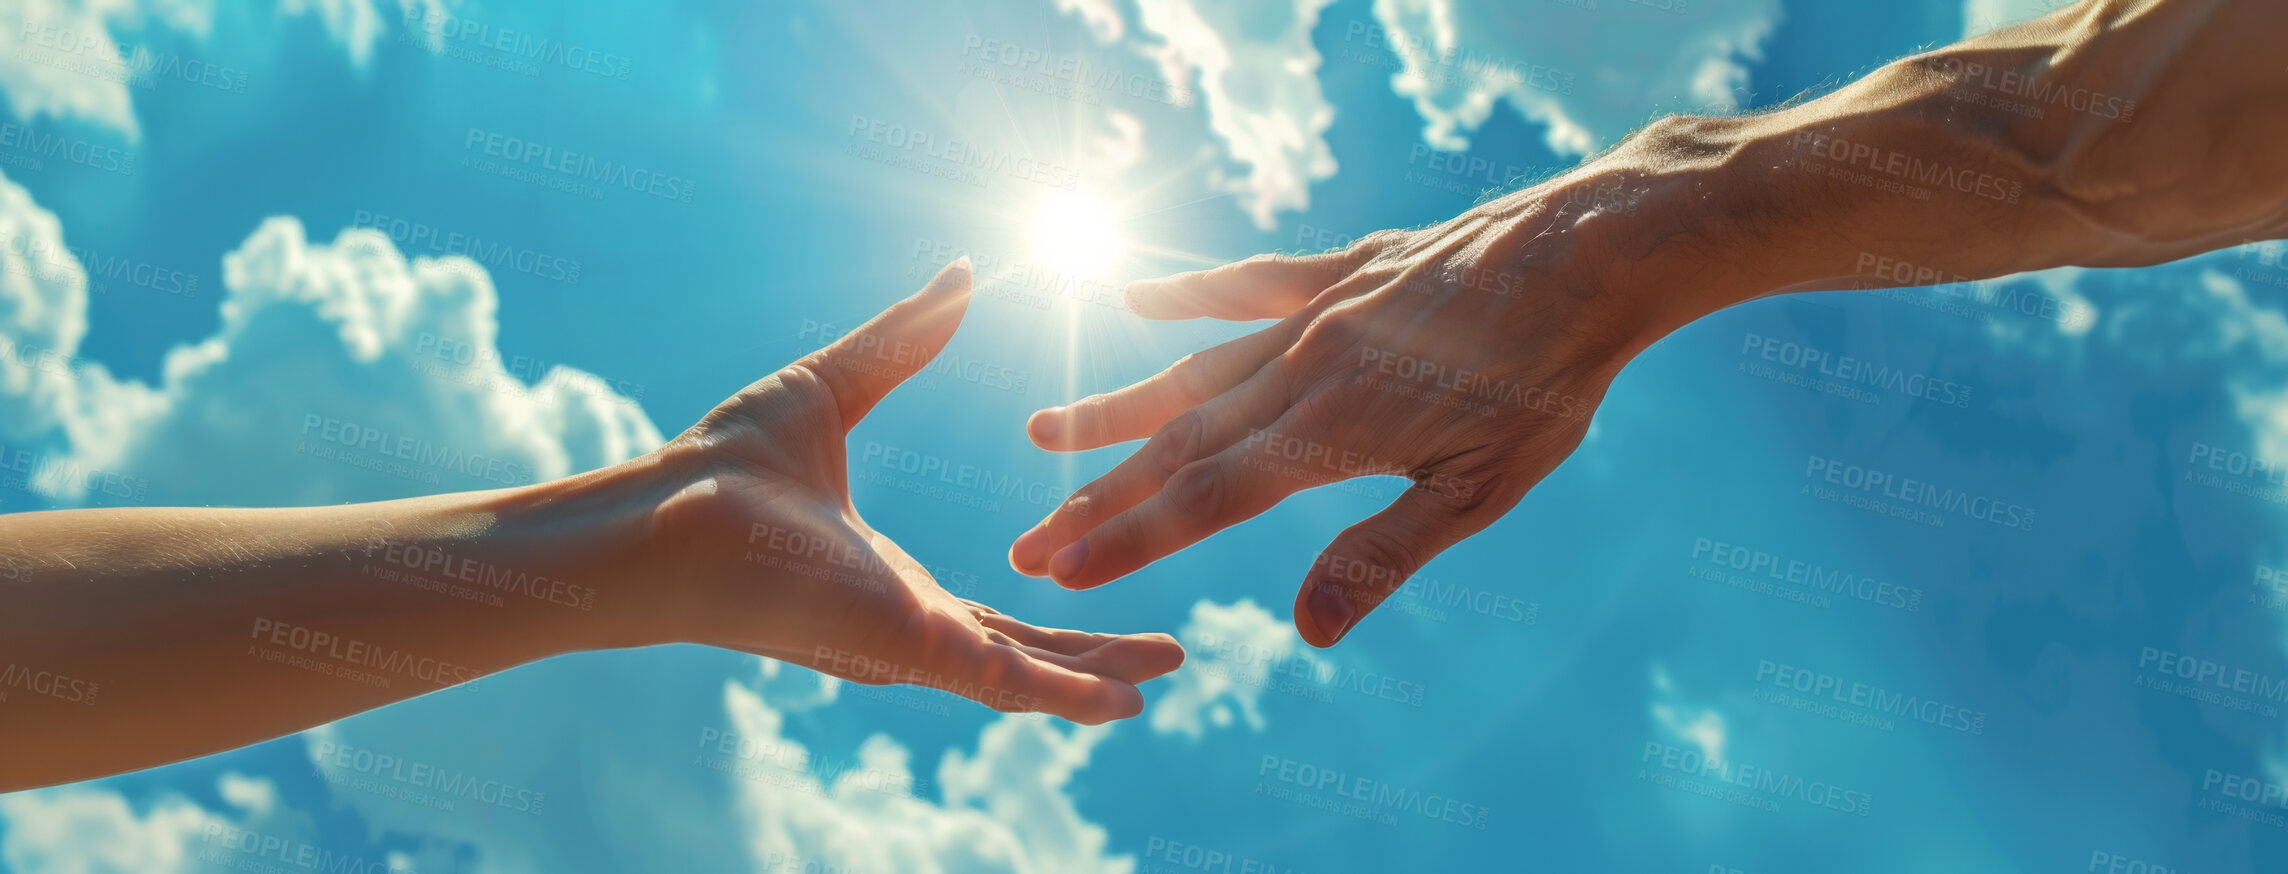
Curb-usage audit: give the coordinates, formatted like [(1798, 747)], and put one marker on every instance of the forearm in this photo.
[(2108, 134), (136, 637)]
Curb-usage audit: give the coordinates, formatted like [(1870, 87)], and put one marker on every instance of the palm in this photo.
[(788, 568)]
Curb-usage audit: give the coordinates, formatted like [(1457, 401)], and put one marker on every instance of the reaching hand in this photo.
[(772, 558), (1466, 356)]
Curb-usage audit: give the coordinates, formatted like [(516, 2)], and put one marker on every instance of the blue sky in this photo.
[(187, 288)]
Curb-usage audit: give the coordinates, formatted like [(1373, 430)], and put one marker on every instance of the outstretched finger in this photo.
[(1205, 430), (1262, 287), (1134, 412), (865, 364), (1134, 658), (1204, 497), (1010, 679)]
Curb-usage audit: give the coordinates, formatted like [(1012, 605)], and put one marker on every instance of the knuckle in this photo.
[(1192, 376), (1389, 559), (1198, 488), (1177, 442)]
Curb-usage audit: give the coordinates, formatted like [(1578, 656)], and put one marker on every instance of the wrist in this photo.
[(585, 554)]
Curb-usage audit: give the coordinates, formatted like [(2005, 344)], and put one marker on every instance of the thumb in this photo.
[(865, 364), (1369, 561)]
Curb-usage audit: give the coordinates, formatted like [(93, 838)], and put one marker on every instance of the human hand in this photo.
[(1466, 356), (766, 553)]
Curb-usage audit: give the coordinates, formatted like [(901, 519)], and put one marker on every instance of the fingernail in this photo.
[(1128, 295), (1066, 563), (1047, 424), (1028, 546), (1331, 611)]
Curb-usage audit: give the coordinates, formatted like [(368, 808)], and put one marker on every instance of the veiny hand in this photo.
[(1466, 356), (770, 557)]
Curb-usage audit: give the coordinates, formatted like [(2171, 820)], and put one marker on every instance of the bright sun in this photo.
[(1075, 233)]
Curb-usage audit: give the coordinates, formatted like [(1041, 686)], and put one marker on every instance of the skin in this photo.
[(740, 534), (1469, 355)]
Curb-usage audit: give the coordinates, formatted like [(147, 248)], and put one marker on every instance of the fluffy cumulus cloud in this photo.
[(88, 829), (82, 59), (1589, 74), (1256, 72), (346, 371), (1233, 651), (1004, 808)]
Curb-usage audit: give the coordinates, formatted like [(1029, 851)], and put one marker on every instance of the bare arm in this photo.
[(1469, 355), (133, 638)]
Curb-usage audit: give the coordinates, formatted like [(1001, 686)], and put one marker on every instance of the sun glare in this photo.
[(1076, 233)]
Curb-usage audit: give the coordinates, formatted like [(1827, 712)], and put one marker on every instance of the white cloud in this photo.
[(1590, 75), (85, 830), (73, 65), (1232, 650), (342, 370), (1258, 77), (1103, 21), (1005, 808), (1700, 726)]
